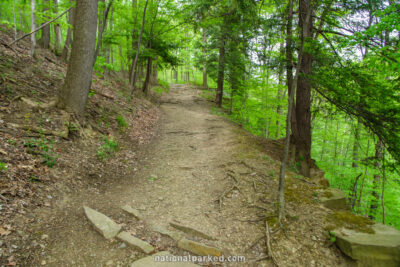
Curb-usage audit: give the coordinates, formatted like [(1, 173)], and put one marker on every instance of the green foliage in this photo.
[(122, 124), (3, 166), (43, 147), (107, 149)]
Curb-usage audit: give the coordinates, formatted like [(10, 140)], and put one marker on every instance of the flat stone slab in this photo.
[(134, 212), (103, 224), (379, 249), (160, 260), (198, 248), (333, 198), (135, 242), (171, 234), (191, 231)]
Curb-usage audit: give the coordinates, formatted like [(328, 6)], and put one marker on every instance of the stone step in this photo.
[(198, 248), (171, 234), (103, 224), (150, 261), (191, 231), (134, 212), (333, 198), (381, 248), (135, 242)]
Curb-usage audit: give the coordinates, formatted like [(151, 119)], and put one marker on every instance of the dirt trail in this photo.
[(192, 160)]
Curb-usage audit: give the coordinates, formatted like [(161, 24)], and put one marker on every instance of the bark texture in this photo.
[(73, 95)]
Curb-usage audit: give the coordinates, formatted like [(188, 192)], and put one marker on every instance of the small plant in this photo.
[(271, 173), (43, 147), (72, 127), (332, 237), (91, 93), (106, 150), (3, 166), (315, 194), (12, 142), (122, 124)]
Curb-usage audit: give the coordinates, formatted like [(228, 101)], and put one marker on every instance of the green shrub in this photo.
[(122, 124)]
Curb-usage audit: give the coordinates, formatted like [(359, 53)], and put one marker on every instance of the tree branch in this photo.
[(41, 27)]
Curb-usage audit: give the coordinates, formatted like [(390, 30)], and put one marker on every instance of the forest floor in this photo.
[(177, 163)]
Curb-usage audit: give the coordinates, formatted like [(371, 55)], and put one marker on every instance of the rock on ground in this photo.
[(135, 242), (379, 249), (198, 248), (103, 224), (333, 198)]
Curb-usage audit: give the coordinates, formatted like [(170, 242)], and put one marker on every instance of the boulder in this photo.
[(103, 224), (160, 260), (333, 198), (381, 248)]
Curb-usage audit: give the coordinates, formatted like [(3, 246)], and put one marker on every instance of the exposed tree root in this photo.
[(268, 243)]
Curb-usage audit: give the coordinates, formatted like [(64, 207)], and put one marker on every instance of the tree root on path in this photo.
[(221, 197), (268, 243)]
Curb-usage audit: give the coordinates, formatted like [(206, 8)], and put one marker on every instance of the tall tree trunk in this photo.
[(57, 32), (133, 75), (15, 21), (45, 40), (356, 144), (73, 95), (148, 76), (102, 27), (302, 138), (68, 40), (221, 72), (205, 83), (33, 27), (377, 180)]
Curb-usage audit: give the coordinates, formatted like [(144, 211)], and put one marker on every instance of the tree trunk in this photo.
[(57, 32), (205, 84), (74, 93), (221, 72), (377, 180), (133, 75), (15, 21), (148, 76), (102, 27), (33, 27), (356, 144), (302, 137), (45, 40), (68, 40)]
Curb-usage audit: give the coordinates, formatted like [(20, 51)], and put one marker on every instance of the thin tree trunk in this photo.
[(133, 75), (68, 40), (221, 71), (15, 21), (377, 180), (73, 95), (205, 84), (33, 27), (101, 31), (57, 32), (45, 40)]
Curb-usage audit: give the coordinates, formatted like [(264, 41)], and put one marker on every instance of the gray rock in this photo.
[(379, 249), (134, 212), (191, 231), (174, 235), (150, 261), (198, 248), (135, 242), (103, 224), (333, 198)]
